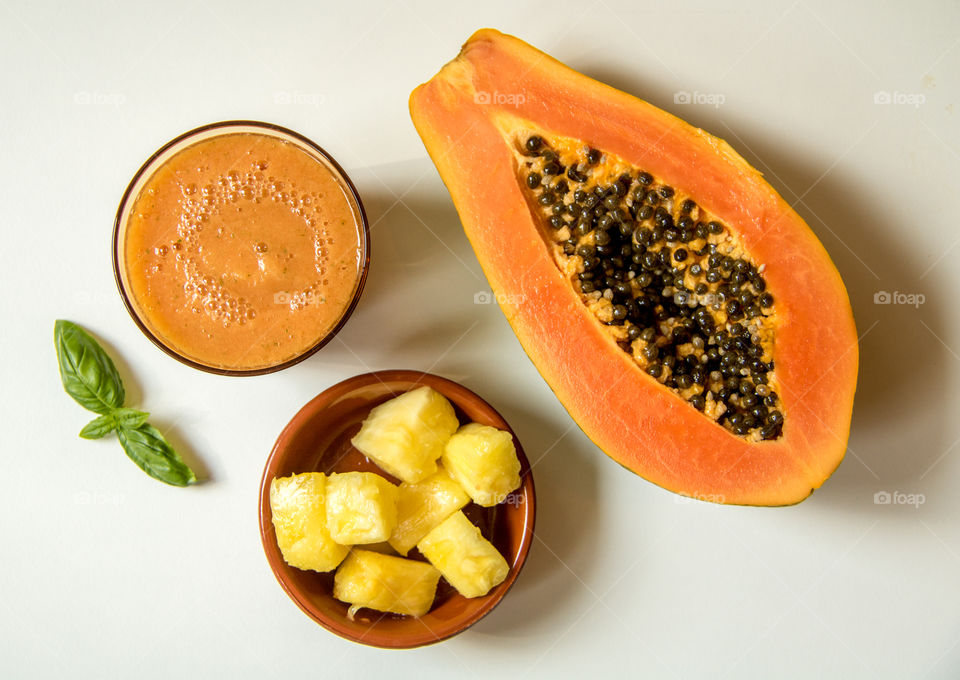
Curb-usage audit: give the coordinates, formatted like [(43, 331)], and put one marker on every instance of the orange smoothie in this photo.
[(242, 251)]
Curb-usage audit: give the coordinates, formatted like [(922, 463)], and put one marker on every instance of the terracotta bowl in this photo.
[(318, 439)]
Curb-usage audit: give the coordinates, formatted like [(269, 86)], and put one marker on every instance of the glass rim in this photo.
[(148, 168)]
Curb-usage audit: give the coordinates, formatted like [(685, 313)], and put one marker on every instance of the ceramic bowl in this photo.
[(317, 439)]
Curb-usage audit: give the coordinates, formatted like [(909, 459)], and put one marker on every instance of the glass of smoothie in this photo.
[(241, 248)]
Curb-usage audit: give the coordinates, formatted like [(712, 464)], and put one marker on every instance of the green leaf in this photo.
[(146, 447), (99, 427), (130, 418), (87, 372)]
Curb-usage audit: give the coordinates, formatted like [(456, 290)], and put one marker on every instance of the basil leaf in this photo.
[(87, 373), (99, 427), (146, 447), (130, 418)]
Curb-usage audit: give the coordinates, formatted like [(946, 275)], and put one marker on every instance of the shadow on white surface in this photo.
[(423, 275)]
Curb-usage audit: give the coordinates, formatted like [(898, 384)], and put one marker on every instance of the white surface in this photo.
[(106, 573)]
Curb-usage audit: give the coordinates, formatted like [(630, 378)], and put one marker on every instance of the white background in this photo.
[(106, 573)]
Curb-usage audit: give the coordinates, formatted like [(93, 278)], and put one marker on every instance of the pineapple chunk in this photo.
[(386, 583), (406, 435), (465, 558), (423, 506), (484, 461), (298, 506), (361, 508)]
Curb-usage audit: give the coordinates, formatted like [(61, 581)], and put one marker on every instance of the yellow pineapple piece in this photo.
[(484, 461), (298, 506), (466, 559), (386, 583), (406, 435), (361, 508), (422, 506)]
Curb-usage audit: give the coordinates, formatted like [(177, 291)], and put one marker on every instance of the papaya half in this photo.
[(685, 316)]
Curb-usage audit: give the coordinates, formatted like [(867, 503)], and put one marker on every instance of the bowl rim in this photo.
[(147, 167), (268, 538)]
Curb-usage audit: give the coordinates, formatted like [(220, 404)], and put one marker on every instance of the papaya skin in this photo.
[(634, 419)]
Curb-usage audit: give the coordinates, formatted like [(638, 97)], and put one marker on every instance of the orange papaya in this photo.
[(683, 313)]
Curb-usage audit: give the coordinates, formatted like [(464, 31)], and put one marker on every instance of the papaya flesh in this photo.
[(685, 316)]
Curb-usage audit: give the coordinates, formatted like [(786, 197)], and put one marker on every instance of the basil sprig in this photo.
[(91, 378)]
